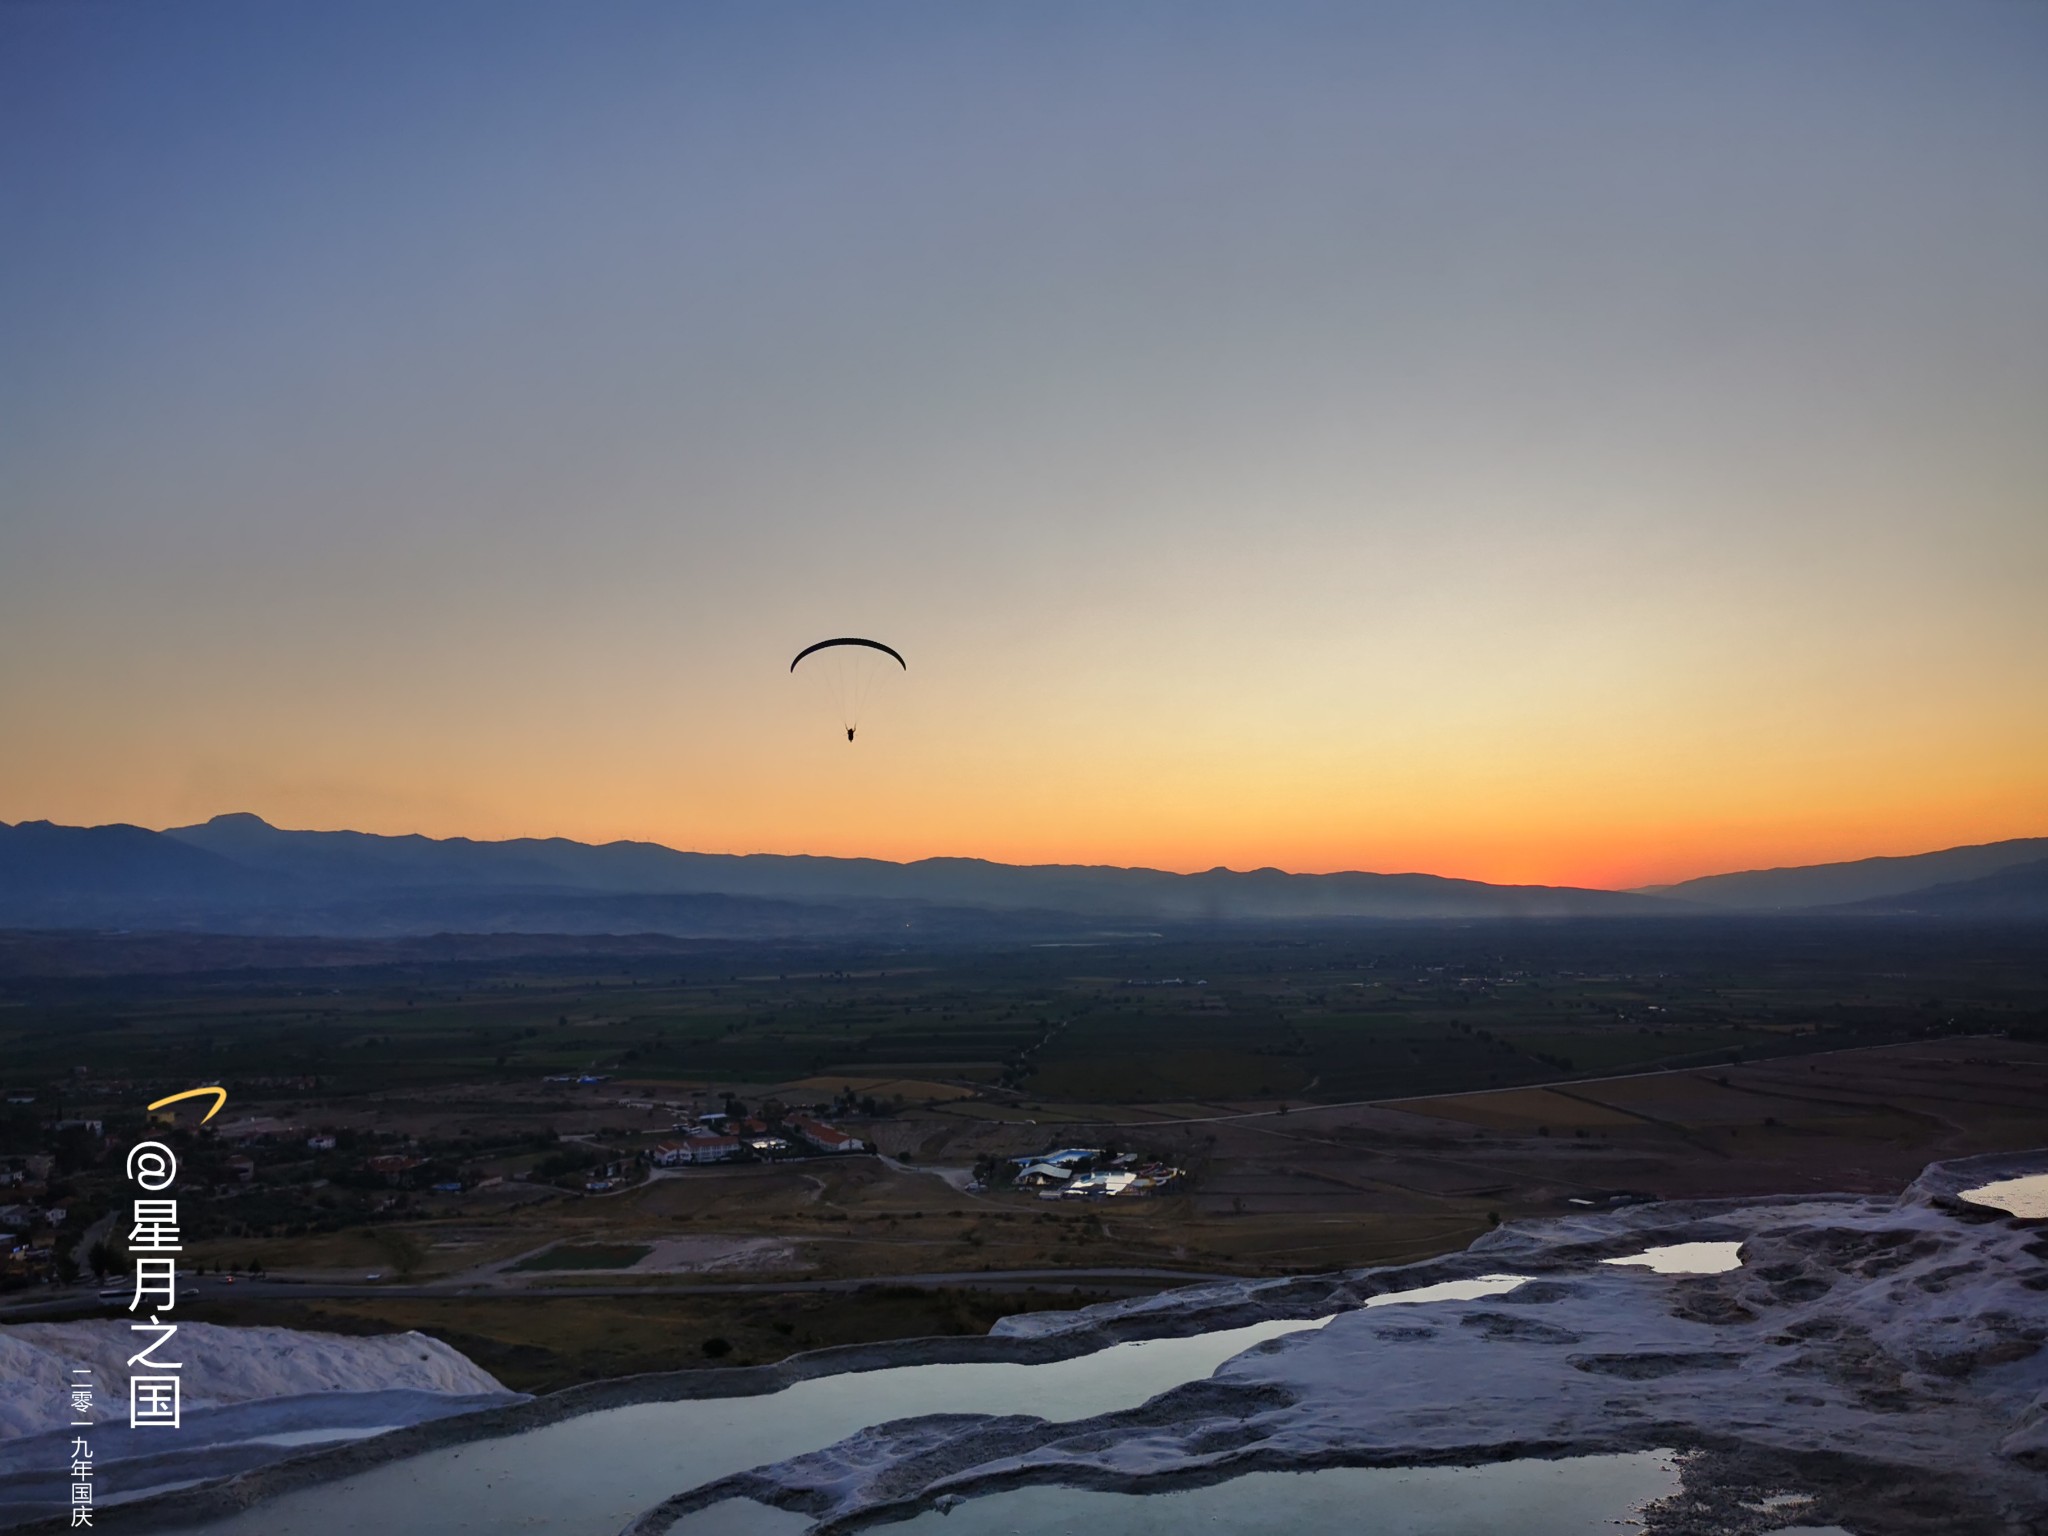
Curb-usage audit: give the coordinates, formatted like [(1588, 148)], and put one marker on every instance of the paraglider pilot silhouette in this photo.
[(848, 665)]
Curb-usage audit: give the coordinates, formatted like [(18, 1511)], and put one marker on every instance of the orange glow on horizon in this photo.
[(1618, 862), (1583, 455), (1597, 797)]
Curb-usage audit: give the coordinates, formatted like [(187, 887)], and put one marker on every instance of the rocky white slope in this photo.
[(1882, 1355), (251, 1396), (221, 1366)]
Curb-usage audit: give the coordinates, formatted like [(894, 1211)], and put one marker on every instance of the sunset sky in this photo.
[(1593, 443)]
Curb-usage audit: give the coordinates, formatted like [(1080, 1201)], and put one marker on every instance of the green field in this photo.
[(1328, 1015)]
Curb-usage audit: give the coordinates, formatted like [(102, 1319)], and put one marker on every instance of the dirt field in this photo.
[(908, 1090), (1336, 1097), (1271, 1191)]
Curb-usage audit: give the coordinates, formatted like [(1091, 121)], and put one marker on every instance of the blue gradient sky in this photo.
[(1601, 442)]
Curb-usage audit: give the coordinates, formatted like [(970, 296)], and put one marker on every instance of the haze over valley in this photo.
[(1029, 767), (236, 873)]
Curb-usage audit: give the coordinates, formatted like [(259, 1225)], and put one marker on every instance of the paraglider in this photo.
[(848, 665)]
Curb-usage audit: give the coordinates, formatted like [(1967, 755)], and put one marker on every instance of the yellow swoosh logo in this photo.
[(220, 1099)]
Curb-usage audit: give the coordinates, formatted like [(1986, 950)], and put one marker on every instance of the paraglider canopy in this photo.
[(847, 666), (873, 645)]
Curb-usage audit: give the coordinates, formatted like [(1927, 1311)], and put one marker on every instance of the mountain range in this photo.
[(238, 874), (1860, 881)]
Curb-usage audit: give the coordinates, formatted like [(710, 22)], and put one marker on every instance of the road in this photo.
[(1306, 1108), (215, 1293)]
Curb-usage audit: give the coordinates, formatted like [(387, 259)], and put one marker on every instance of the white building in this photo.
[(1097, 1185)]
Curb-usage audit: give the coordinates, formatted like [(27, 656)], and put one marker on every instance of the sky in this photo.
[(1585, 443)]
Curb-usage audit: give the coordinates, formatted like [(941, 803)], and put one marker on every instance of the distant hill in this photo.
[(69, 876), (359, 861), (1863, 880), (2017, 895), (236, 873)]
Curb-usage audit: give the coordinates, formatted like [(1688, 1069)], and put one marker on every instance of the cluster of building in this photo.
[(1087, 1173), (603, 1180), (28, 1221), (279, 1140), (718, 1138)]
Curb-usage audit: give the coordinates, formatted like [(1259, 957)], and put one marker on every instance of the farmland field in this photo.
[(1335, 1096)]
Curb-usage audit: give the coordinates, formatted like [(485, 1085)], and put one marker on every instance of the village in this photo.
[(325, 1170), (275, 1174), (30, 1219)]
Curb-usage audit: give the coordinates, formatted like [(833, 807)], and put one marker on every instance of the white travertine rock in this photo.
[(221, 1365), (1906, 1333)]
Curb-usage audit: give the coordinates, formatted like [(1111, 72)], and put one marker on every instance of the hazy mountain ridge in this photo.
[(118, 856), (238, 874), (2019, 893), (1806, 886), (358, 858), (1093, 890)]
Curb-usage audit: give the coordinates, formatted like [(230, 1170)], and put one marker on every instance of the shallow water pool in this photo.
[(2017, 1197), (589, 1475), (1687, 1258)]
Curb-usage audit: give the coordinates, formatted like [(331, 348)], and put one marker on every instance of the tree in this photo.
[(399, 1249)]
